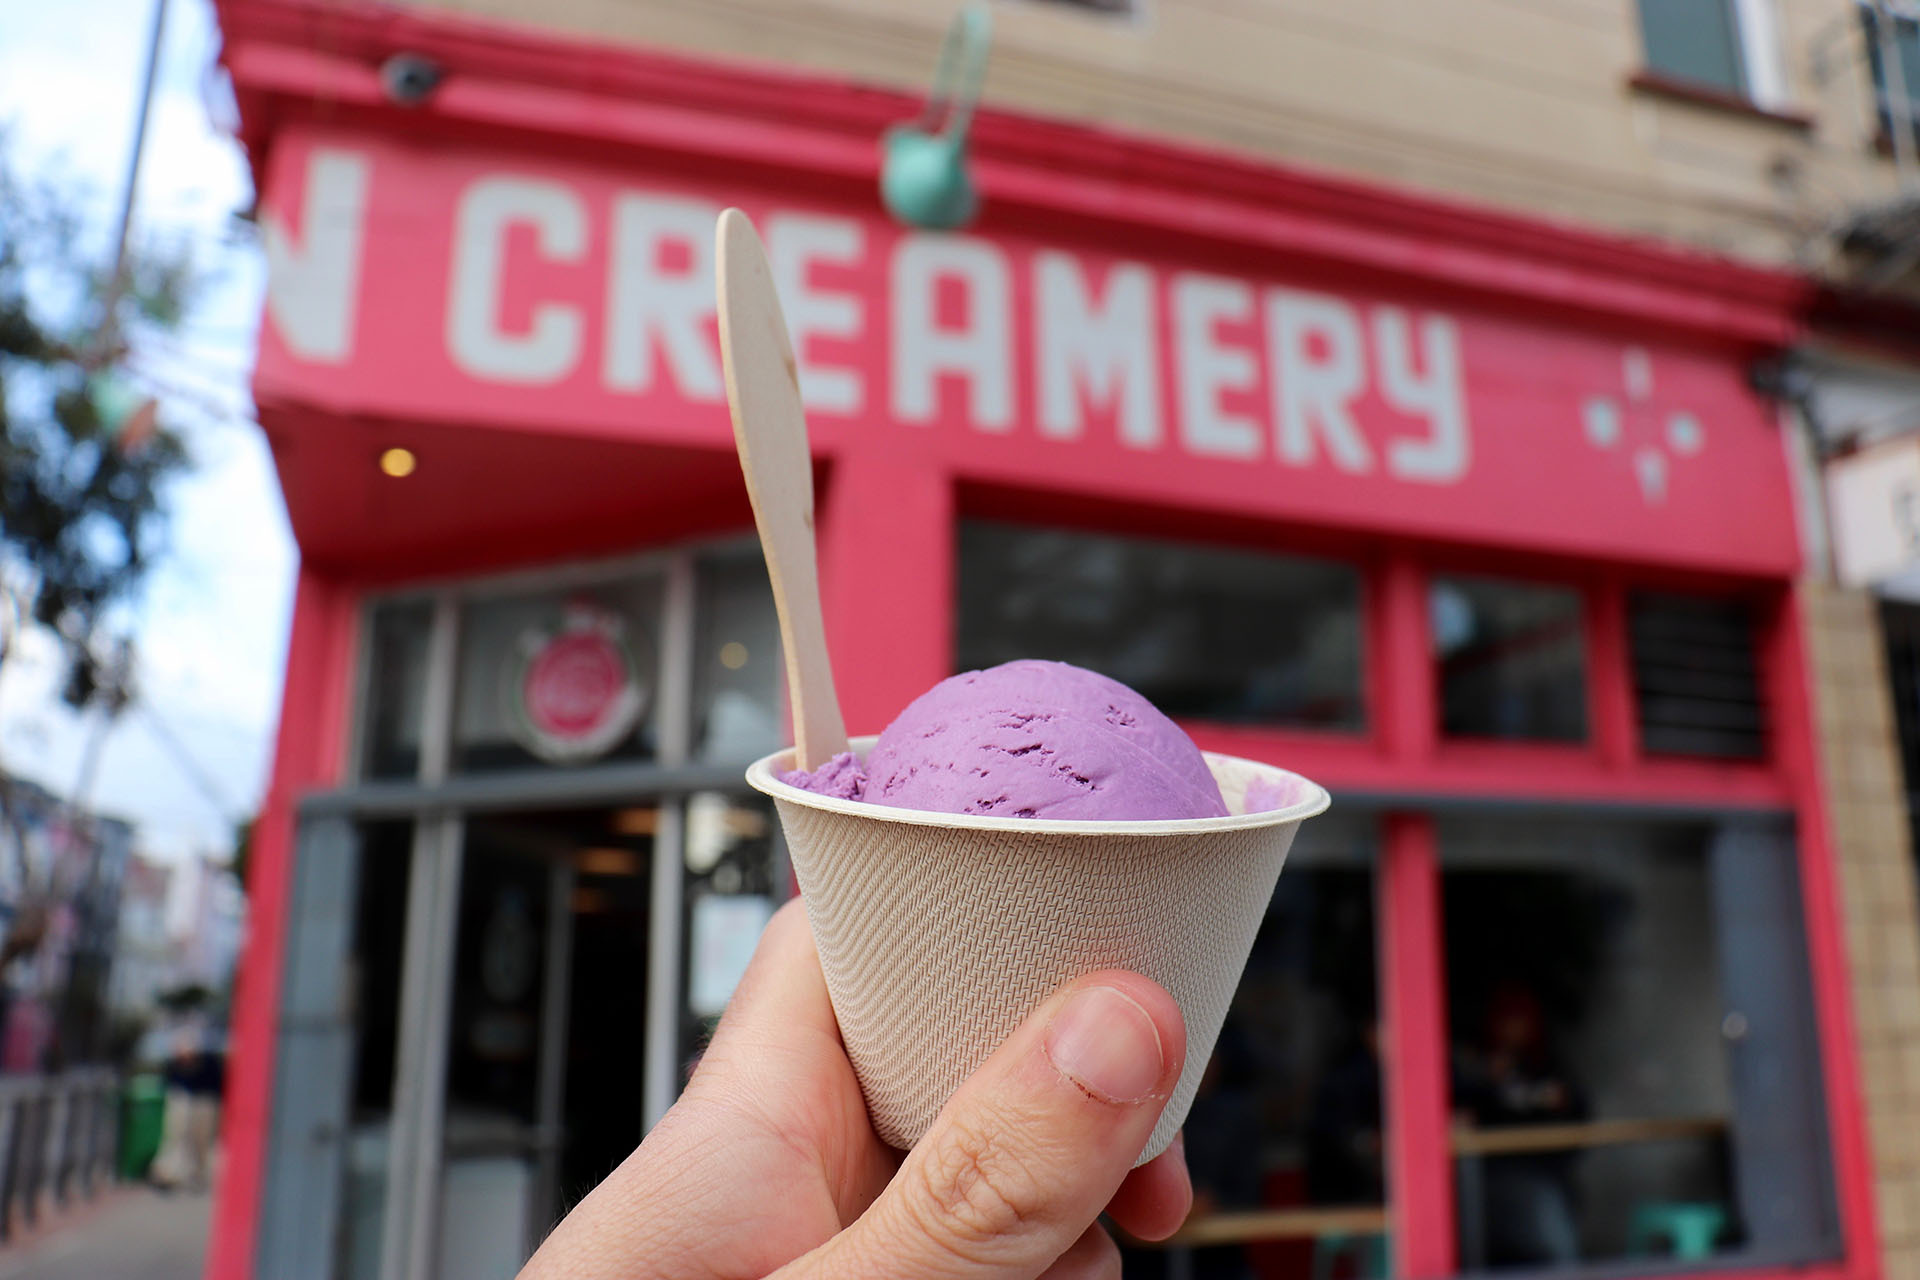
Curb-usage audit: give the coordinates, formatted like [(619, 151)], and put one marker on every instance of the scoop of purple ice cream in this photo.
[(1029, 739), (842, 777)]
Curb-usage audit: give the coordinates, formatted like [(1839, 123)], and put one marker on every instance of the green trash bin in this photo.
[(143, 1110)]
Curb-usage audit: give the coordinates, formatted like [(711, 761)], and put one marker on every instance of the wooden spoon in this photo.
[(770, 430)]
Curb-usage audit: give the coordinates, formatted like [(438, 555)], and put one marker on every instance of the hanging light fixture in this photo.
[(923, 173), (127, 416)]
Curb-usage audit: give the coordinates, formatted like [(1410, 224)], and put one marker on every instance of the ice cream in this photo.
[(1029, 739), (939, 931)]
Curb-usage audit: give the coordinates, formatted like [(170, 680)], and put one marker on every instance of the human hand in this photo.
[(768, 1164)]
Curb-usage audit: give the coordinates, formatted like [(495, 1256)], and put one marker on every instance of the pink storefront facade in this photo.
[(1433, 496)]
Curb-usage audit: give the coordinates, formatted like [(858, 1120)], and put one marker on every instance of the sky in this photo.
[(211, 627)]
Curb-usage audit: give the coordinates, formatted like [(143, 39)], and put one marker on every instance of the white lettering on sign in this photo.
[(312, 285), (1206, 368), (980, 351), (795, 242), (1217, 367), (646, 302), (547, 351), (1442, 457), (1105, 349), (1313, 394)]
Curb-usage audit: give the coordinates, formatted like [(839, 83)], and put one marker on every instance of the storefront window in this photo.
[(736, 876), (1635, 1073), (396, 666), (1512, 661), (1207, 633), (1696, 676), (737, 711), (559, 677), (1285, 1138), (1633, 1062)]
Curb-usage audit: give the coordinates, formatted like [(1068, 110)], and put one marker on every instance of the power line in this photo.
[(201, 779)]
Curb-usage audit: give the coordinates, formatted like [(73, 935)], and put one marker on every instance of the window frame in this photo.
[(1758, 54), (1398, 757), (439, 802), (1884, 117), (1408, 772), (1400, 768)]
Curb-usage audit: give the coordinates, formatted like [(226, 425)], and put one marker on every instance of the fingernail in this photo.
[(1106, 1044)]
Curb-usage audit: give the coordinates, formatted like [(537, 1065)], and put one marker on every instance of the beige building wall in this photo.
[(1878, 895), (1522, 104)]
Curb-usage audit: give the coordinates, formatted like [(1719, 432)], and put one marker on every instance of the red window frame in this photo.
[(892, 519), (1399, 763)]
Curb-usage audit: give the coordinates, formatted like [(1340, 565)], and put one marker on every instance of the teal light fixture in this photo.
[(923, 173), (127, 415)]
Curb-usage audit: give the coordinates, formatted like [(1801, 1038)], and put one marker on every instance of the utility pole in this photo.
[(117, 280), (80, 823)]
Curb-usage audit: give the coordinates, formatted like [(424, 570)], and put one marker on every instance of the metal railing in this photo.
[(58, 1138)]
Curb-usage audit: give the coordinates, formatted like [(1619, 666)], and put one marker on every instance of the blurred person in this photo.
[(1343, 1134), (195, 1077), (1222, 1139), (1517, 1078), (1344, 1147)]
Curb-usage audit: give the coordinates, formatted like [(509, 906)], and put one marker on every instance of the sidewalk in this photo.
[(133, 1233)]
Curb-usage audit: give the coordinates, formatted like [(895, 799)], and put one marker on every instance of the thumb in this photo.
[(1027, 1153)]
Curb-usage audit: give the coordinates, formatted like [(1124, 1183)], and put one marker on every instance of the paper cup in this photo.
[(939, 933)]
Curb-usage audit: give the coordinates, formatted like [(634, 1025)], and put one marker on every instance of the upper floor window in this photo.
[(1904, 37), (1724, 45)]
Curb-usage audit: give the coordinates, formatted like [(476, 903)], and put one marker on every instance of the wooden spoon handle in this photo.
[(770, 430)]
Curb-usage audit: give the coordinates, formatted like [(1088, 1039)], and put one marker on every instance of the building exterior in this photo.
[(1394, 394), (180, 927), (60, 883), (144, 951)]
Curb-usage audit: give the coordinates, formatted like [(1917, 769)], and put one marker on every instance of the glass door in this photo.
[(514, 931), (546, 1026), (551, 1037)]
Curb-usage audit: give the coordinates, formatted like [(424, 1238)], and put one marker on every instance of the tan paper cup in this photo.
[(939, 933)]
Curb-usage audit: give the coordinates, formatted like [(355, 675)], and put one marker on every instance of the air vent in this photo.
[(1121, 7), (1696, 676)]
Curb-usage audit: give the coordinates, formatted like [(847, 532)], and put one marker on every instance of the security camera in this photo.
[(410, 79), (1783, 379)]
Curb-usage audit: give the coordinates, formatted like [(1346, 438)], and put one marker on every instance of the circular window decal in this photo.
[(574, 692)]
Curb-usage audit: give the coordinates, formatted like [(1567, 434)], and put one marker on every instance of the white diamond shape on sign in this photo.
[(1659, 438)]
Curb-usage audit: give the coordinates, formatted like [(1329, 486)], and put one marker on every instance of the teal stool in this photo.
[(1369, 1252), (1691, 1228)]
